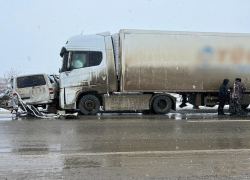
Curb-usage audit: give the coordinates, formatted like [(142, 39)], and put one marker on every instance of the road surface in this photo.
[(190, 144)]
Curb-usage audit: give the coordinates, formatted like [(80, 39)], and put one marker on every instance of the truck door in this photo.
[(75, 77), (97, 69), (85, 70)]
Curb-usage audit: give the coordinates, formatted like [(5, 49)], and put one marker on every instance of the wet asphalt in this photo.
[(188, 144)]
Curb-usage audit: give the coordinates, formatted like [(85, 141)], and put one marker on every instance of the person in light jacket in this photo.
[(236, 91)]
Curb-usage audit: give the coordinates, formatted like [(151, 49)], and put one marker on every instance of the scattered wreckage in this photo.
[(33, 95)]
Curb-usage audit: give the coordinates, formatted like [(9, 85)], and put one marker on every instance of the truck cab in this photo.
[(88, 67)]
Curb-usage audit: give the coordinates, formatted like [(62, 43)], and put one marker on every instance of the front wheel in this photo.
[(162, 104), (89, 105)]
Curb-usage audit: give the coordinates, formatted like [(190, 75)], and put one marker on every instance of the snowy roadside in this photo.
[(4, 111), (190, 106)]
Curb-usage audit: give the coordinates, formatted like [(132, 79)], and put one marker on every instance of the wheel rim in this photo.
[(89, 105), (162, 104)]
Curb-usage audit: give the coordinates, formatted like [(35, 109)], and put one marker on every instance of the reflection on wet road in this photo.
[(184, 144)]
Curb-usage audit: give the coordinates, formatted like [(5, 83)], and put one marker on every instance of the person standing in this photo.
[(222, 97), (236, 91)]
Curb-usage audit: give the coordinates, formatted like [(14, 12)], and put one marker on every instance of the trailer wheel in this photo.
[(89, 105), (162, 104)]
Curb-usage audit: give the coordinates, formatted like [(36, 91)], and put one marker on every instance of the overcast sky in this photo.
[(33, 32)]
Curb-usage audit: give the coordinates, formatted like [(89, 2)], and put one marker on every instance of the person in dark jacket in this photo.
[(236, 91), (222, 97)]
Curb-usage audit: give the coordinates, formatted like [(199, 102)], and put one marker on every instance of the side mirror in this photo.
[(63, 50)]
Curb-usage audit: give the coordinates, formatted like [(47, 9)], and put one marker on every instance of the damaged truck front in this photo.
[(137, 69)]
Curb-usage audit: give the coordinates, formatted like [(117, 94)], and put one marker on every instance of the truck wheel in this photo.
[(89, 105), (162, 104)]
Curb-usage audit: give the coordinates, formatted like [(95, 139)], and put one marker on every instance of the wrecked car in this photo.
[(37, 89)]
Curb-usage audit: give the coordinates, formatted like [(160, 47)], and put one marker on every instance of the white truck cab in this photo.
[(87, 68)]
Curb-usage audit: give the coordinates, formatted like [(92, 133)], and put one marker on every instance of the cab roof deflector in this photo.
[(107, 33)]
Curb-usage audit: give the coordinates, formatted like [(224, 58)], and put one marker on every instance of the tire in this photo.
[(89, 105), (162, 104)]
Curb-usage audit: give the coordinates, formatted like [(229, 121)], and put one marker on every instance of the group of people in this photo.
[(235, 92)]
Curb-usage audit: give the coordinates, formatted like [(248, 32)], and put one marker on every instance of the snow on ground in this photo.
[(5, 115), (190, 106), (4, 111), (188, 111)]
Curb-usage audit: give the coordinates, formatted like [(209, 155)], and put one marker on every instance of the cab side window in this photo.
[(81, 59), (95, 58)]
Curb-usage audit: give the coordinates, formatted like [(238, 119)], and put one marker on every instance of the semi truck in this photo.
[(140, 69)]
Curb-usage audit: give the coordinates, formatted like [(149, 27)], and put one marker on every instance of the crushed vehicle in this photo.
[(139, 69), (24, 94), (39, 90), (21, 108)]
